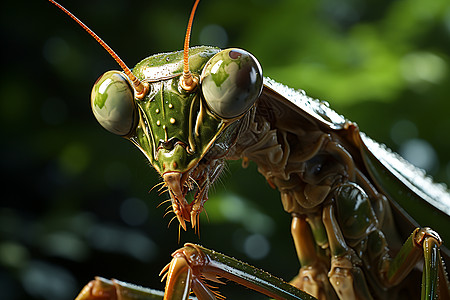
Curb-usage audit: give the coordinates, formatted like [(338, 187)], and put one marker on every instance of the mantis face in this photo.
[(185, 134)]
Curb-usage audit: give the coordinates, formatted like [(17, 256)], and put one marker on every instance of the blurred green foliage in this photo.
[(75, 199)]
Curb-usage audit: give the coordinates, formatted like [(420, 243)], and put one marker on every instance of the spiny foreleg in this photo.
[(192, 265)]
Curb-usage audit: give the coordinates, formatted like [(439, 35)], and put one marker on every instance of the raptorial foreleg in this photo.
[(104, 289), (193, 264)]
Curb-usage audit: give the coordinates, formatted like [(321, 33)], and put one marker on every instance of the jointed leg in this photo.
[(424, 242), (312, 277), (192, 264), (345, 275), (341, 266), (104, 289)]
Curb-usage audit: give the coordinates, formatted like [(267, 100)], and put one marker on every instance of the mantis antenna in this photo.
[(188, 82), (141, 88)]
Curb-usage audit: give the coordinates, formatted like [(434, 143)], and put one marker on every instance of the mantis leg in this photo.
[(341, 271), (104, 289), (356, 220), (434, 281), (192, 264), (312, 277), (422, 242)]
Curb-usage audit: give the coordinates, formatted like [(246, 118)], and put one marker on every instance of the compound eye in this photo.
[(231, 82), (112, 103)]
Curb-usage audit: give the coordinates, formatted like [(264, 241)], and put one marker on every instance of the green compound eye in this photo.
[(231, 82), (112, 103)]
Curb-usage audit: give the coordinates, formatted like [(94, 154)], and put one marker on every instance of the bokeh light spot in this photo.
[(422, 68), (403, 130), (256, 246), (13, 255), (46, 281), (65, 244), (74, 158), (420, 153)]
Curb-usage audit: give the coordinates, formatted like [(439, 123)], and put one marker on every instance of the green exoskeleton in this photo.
[(185, 136), (190, 111)]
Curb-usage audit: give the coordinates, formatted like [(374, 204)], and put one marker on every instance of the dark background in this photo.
[(74, 198)]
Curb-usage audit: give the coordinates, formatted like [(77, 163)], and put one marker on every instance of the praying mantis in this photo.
[(189, 111)]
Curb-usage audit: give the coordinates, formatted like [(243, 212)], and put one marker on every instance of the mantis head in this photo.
[(182, 109), (185, 134)]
